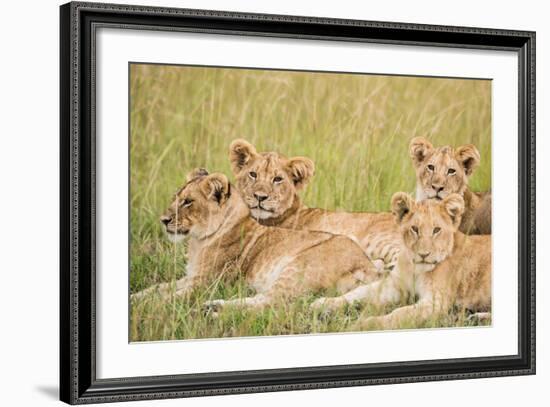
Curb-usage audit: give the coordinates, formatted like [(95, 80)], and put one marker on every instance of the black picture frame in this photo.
[(78, 382)]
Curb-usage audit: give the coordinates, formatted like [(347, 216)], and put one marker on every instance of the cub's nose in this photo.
[(165, 219), (423, 255), (260, 196), (437, 188)]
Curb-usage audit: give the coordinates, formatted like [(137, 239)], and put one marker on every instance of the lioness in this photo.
[(269, 183), (278, 263), (442, 171), (438, 265)]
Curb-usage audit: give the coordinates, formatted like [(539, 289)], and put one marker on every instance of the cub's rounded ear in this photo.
[(196, 173), (216, 187), (401, 205), (419, 149), (300, 169), (468, 156), (240, 154), (453, 205)]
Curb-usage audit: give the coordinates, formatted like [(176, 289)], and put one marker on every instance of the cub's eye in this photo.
[(451, 171), (430, 167), (252, 175), (414, 229), (437, 230), (186, 202), (277, 179)]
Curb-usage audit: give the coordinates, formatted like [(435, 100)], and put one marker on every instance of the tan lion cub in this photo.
[(438, 265), (269, 183), (445, 170), (278, 263)]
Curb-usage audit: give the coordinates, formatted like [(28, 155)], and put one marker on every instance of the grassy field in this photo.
[(356, 128)]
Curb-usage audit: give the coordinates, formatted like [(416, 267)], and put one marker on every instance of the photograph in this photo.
[(270, 202)]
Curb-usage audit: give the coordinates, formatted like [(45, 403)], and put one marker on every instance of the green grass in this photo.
[(356, 128)]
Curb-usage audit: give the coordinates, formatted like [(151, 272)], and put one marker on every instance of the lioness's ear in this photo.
[(240, 153), (401, 204), (468, 157), (216, 187), (301, 169), (196, 173), (419, 148), (454, 207)]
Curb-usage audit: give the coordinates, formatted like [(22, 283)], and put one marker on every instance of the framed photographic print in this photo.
[(256, 203)]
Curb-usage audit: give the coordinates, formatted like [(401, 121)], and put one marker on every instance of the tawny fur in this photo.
[(276, 180), (445, 170), (280, 264), (438, 265)]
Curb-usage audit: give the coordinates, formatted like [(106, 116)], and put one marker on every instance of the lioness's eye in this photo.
[(437, 230), (277, 179), (252, 174), (430, 167), (186, 202), (414, 229), (451, 171)]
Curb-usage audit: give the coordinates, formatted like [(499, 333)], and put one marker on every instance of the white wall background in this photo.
[(29, 163)]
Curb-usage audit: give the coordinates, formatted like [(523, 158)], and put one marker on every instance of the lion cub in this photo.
[(444, 170), (270, 183), (278, 263), (438, 265)]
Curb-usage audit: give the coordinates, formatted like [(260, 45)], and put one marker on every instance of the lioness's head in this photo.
[(442, 171), (197, 207), (268, 181), (428, 227)]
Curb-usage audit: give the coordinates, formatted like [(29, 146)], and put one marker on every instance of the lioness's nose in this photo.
[(165, 219), (260, 196), (423, 255)]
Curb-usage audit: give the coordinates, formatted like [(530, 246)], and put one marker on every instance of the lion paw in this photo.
[(479, 317), (214, 306), (374, 322)]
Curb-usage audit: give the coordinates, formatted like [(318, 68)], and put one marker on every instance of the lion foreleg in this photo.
[(379, 293), (417, 313), (256, 302), (183, 287)]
